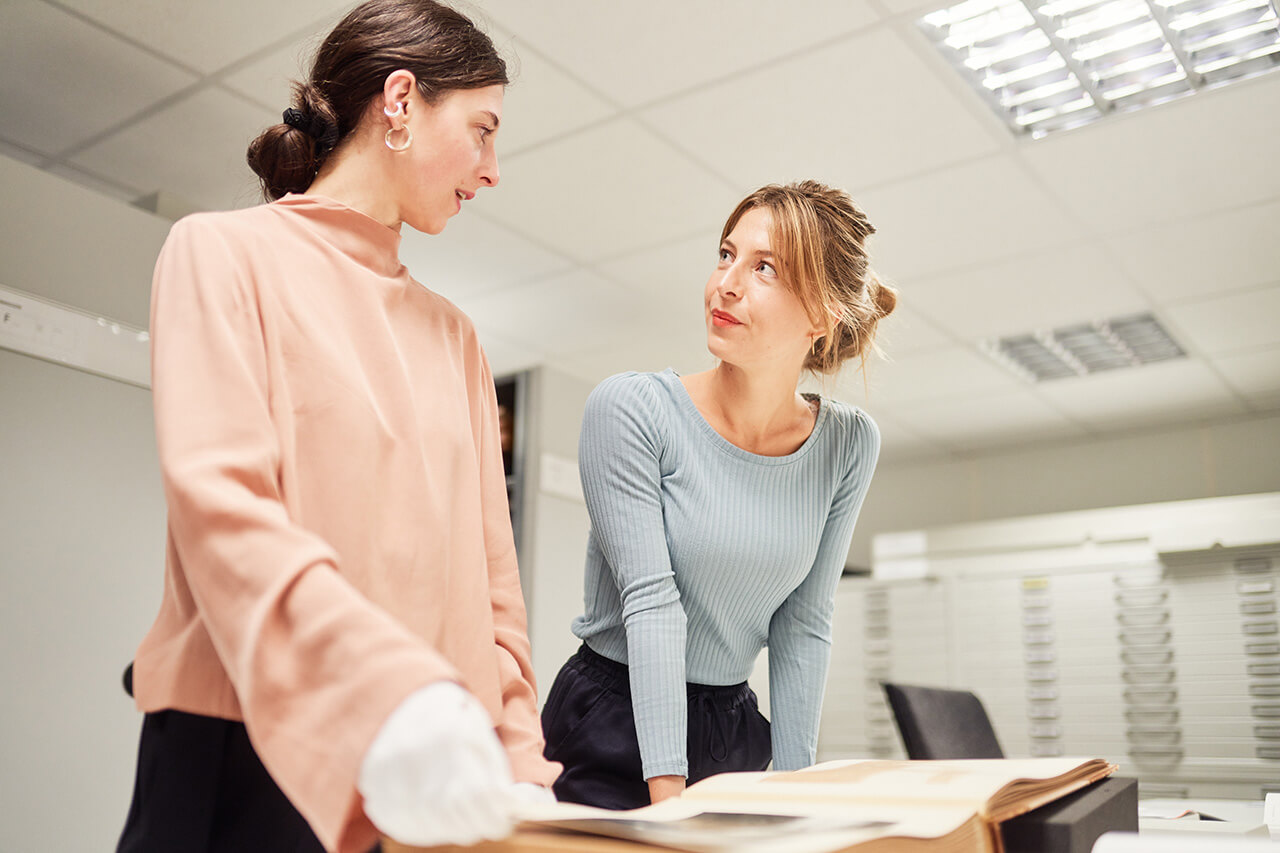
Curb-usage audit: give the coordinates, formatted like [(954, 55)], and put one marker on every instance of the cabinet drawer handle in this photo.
[(1261, 605), (1143, 618), (1146, 656), (1147, 637), (1150, 696), (1141, 597), (1167, 716)]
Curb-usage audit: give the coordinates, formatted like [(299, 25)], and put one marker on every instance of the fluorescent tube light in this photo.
[(1046, 66)]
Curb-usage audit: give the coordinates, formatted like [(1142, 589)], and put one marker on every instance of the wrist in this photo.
[(663, 787)]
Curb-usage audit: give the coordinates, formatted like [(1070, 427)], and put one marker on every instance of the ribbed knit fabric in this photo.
[(701, 552)]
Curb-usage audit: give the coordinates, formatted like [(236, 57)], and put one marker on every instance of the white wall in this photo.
[(1233, 457), (81, 524)]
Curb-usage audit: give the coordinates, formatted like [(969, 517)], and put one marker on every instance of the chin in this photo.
[(425, 223)]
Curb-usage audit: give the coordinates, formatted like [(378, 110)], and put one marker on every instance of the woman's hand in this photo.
[(662, 787), (436, 772)]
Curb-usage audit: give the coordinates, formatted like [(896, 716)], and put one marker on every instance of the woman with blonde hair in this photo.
[(341, 649), (722, 506)]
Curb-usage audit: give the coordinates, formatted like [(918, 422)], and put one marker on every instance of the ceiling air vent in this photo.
[(1046, 65), (1084, 348)]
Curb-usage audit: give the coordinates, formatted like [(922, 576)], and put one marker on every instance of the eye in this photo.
[(484, 132), (725, 256), (767, 268)]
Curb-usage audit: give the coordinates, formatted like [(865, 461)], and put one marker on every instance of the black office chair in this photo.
[(938, 723)]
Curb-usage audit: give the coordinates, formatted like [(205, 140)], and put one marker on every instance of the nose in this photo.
[(489, 168), (730, 284)]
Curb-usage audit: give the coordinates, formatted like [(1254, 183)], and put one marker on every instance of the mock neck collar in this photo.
[(365, 240)]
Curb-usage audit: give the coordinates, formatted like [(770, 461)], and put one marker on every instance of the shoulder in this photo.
[(630, 391), (229, 235), (630, 400), (227, 223), (852, 431)]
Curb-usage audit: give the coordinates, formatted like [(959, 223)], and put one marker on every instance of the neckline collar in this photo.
[(691, 411), (362, 238)]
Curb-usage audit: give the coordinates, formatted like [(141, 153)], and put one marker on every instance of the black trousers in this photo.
[(201, 788), (590, 728)]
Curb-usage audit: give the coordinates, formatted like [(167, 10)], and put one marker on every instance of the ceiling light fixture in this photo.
[(1082, 349), (1046, 65)]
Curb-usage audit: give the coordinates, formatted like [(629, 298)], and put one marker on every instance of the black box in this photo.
[(1073, 823)]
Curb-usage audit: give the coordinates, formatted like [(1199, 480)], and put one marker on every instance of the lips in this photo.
[(723, 318)]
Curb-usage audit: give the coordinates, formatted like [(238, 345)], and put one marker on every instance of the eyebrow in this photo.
[(493, 117), (767, 253)]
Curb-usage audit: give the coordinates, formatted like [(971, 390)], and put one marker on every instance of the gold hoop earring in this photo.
[(408, 138)]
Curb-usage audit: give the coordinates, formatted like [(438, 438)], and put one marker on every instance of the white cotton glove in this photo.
[(527, 792), (436, 772)]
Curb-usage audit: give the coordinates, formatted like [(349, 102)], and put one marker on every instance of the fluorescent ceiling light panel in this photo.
[(1047, 65), (1084, 348)]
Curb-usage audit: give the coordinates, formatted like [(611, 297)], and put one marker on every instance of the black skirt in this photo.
[(201, 788), (590, 728)]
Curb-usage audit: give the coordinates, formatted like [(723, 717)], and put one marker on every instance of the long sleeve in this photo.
[(519, 728), (800, 630), (314, 665), (619, 451)]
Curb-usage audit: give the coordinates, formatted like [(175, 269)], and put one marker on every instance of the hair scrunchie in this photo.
[(324, 132)]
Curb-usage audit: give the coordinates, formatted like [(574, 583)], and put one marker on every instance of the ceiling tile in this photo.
[(898, 442), (671, 276), (193, 149), (22, 155), (921, 7), (542, 102), (781, 122), (636, 52), (654, 350), (605, 191), (207, 36), (572, 312), (906, 329), (959, 216), (1255, 375), (1212, 150), (97, 183), (986, 421), (269, 80), (1162, 394), (944, 372), (506, 356), (1035, 291), (1223, 324), (1205, 254), (96, 80), (461, 262)]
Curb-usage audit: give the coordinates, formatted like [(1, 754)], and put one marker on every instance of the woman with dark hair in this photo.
[(341, 649), (722, 505)]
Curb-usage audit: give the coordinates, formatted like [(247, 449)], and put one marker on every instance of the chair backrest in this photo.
[(939, 723)]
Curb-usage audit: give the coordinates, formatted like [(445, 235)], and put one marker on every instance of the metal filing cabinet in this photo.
[(1084, 634)]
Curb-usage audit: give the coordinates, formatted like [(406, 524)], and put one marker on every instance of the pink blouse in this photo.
[(338, 531)]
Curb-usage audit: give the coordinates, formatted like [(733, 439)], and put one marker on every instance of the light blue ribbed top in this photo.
[(701, 553)]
